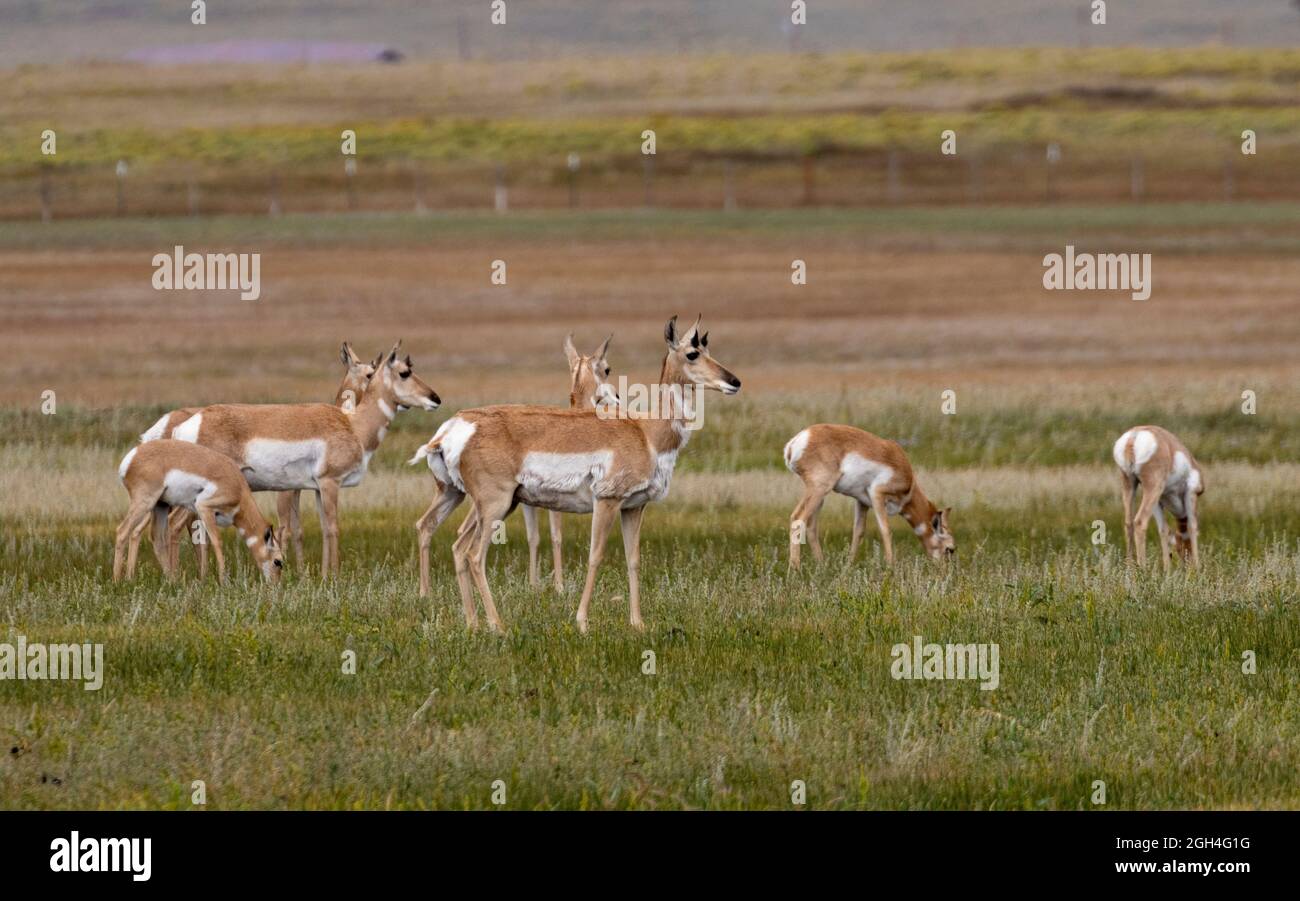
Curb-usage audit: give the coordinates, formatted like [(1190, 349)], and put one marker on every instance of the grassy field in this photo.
[(433, 133), (762, 677)]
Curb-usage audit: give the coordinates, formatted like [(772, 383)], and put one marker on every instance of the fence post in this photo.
[(501, 200), (273, 209), (1136, 179), (47, 193), (974, 184), (648, 175), (350, 177), (574, 163), (120, 170), (894, 177), (1053, 157), (417, 189), (728, 186)]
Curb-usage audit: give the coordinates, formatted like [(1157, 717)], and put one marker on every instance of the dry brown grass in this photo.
[(90, 326)]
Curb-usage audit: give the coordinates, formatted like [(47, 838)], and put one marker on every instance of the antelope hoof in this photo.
[(582, 626)]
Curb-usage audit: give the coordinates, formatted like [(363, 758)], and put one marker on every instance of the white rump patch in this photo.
[(1194, 481), (1144, 448), (157, 430), (126, 462), (189, 429), (794, 449), (270, 464), (445, 463)]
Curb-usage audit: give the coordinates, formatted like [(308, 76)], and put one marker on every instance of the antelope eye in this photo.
[(693, 355), (606, 370), (279, 564), (407, 374)]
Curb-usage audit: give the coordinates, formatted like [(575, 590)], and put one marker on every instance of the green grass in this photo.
[(1166, 227), (763, 677), (748, 434)]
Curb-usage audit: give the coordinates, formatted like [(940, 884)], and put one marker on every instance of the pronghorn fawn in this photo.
[(588, 387), (356, 379), (872, 471), (574, 461), (1171, 481), (163, 475), (288, 447)]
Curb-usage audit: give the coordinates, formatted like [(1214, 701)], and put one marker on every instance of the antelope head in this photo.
[(589, 385), (688, 354), (355, 380), (399, 384), (938, 539)]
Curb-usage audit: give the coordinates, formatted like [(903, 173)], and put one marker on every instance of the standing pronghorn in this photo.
[(356, 378), (286, 447), (588, 388), (872, 471), (165, 474), (576, 461), (1171, 481)]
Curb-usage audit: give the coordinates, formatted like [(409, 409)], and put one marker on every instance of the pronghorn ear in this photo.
[(704, 342), (408, 362), (269, 537), (603, 349), (346, 355), (670, 332), (570, 352), (392, 354), (379, 361), (937, 522)]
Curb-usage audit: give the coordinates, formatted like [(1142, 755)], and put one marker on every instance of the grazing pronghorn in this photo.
[(588, 387), (1171, 481), (162, 475), (288, 447), (355, 380), (575, 461), (872, 471)]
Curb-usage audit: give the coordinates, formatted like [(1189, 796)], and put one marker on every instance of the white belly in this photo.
[(657, 488), (859, 476), (564, 482), (185, 489), (274, 465)]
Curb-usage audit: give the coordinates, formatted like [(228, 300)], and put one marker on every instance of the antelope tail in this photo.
[(432, 447)]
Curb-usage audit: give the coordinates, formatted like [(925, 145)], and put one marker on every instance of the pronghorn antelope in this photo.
[(1171, 481), (288, 447), (355, 380), (872, 471), (575, 461), (164, 474), (588, 386)]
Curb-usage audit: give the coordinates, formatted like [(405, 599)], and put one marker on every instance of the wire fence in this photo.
[(1024, 175)]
